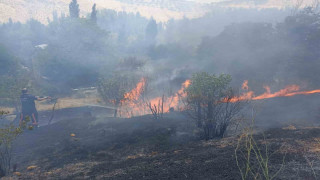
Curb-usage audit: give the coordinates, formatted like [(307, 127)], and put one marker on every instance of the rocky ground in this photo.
[(144, 148)]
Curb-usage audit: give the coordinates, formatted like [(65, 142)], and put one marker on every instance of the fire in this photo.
[(245, 85), (288, 91), (282, 92), (175, 100), (135, 93), (132, 103), (135, 102)]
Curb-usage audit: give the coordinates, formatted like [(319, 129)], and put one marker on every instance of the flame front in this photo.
[(135, 101), (288, 91)]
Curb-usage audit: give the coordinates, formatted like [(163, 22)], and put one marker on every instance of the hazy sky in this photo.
[(162, 10)]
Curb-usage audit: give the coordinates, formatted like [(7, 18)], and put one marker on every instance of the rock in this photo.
[(17, 173), (31, 168)]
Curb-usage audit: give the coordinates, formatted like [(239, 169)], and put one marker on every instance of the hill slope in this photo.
[(22, 10)]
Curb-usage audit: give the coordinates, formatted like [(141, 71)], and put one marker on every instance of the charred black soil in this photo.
[(144, 148)]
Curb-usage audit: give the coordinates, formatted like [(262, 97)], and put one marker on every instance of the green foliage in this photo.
[(128, 27), (77, 52), (253, 157), (208, 87), (12, 78), (209, 102), (10, 89), (63, 73), (78, 35), (2, 113), (8, 133), (8, 61), (21, 39)]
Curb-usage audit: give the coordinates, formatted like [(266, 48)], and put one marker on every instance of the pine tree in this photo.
[(94, 14), (74, 9)]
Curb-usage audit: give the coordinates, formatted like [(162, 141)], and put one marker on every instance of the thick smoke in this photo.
[(266, 47)]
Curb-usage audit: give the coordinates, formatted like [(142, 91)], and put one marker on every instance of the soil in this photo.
[(84, 143)]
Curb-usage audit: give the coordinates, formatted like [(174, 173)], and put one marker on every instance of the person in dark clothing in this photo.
[(28, 106)]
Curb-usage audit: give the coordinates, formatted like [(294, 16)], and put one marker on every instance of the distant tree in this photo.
[(151, 30), (8, 61), (10, 21), (94, 14), (55, 17), (63, 15), (122, 34), (131, 65), (300, 32), (209, 101), (74, 9)]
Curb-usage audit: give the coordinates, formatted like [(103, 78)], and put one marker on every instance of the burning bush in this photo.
[(209, 101)]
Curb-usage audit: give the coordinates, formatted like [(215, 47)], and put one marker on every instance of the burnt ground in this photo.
[(144, 148)]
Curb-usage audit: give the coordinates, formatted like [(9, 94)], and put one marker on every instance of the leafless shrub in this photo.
[(252, 158), (156, 110)]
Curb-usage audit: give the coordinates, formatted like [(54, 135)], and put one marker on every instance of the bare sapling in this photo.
[(156, 110)]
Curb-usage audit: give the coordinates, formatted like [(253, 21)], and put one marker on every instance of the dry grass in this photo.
[(69, 103), (61, 104)]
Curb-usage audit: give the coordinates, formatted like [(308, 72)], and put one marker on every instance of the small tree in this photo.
[(209, 101), (8, 133), (151, 30), (74, 9), (112, 91), (94, 12)]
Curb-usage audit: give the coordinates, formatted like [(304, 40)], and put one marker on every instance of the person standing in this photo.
[(28, 106)]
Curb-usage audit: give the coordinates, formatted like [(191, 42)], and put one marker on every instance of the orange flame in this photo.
[(135, 93), (291, 90), (245, 85), (175, 100), (134, 104)]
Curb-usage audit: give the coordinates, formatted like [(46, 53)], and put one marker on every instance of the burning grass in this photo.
[(290, 90), (137, 103), (134, 102)]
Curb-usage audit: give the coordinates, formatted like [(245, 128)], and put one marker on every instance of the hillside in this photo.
[(22, 10), (161, 10)]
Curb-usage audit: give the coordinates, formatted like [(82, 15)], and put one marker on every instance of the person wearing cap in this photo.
[(28, 106)]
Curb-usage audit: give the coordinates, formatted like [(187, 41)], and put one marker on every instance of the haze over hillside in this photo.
[(21, 10), (161, 10)]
